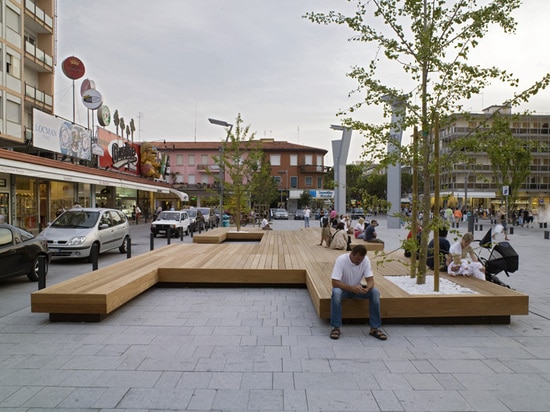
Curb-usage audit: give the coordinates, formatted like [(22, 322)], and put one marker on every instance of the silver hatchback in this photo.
[(76, 231)]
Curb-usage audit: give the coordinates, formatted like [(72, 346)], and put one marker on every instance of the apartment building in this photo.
[(474, 183), (36, 182), (295, 167)]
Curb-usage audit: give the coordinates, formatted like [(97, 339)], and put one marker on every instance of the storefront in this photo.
[(34, 190)]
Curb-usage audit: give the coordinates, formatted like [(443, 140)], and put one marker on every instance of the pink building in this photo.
[(294, 166)]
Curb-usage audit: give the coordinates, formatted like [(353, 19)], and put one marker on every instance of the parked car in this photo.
[(299, 214), (356, 213), (75, 232), (20, 252), (280, 214), (171, 222)]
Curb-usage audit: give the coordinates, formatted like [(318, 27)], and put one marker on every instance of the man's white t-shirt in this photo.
[(348, 272)]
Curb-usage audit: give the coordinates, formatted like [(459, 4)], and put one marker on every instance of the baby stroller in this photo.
[(502, 258)]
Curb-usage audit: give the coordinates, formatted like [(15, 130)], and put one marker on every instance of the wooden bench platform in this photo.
[(280, 258)]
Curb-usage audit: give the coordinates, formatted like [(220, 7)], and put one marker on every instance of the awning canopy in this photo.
[(184, 197), (471, 195), (52, 173)]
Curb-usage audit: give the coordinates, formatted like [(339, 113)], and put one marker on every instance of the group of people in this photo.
[(458, 259), (341, 237)]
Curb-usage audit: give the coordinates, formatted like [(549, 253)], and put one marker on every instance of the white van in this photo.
[(171, 222)]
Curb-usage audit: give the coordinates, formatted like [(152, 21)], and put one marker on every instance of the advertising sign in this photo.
[(61, 136), (119, 154)]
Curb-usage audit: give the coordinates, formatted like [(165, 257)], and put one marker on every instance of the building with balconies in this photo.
[(27, 41), (295, 167), (473, 183)]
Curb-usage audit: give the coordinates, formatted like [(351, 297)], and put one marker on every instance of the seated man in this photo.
[(370, 233), (444, 247), (265, 224), (352, 278)]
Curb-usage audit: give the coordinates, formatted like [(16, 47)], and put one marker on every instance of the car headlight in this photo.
[(77, 240)]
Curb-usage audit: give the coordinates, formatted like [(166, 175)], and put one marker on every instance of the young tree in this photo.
[(241, 159), (264, 190), (427, 44), (510, 156)]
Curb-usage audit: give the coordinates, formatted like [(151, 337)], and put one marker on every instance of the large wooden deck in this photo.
[(284, 258)]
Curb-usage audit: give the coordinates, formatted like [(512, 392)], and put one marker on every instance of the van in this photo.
[(171, 222)]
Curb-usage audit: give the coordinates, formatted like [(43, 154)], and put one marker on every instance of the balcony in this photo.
[(312, 169), (39, 97), (39, 15), (213, 168), (42, 61)]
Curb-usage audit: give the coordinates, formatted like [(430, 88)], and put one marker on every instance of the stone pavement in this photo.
[(248, 349)]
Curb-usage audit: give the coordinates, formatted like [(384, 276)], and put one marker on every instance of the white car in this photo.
[(171, 222), (73, 233)]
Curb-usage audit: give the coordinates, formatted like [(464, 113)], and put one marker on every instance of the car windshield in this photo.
[(169, 216), (72, 219), (205, 211), (192, 213)]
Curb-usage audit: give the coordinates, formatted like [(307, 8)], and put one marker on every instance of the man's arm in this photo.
[(358, 289)]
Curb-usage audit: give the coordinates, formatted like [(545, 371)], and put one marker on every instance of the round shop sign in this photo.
[(92, 99), (73, 68), (104, 115), (87, 84)]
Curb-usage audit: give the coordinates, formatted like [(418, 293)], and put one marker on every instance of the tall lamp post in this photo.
[(221, 166)]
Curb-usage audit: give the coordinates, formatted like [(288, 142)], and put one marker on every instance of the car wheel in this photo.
[(33, 274), (124, 247)]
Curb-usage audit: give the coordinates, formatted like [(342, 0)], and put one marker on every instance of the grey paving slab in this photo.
[(265, 349)]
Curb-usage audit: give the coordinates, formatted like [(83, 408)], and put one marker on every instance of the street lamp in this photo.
[(222, 168)]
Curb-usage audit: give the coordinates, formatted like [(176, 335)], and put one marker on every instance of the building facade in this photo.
[(473, 183), (296, 168)]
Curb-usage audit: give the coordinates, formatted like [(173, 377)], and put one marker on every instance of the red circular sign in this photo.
[(73, 67)]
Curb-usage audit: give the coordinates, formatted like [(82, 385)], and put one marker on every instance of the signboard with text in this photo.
[(61, 136), (119, 153)]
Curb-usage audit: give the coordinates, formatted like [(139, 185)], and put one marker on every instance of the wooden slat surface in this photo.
[(281, 257)]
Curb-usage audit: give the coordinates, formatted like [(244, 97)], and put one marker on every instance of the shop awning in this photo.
[(51, 173), (471, 195), (184, 197)]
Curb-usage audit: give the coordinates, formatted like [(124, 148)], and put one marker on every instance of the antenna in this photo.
[(298, 134)]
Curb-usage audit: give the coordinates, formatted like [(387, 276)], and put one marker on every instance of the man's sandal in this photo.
[(378, 334), (335, 333)]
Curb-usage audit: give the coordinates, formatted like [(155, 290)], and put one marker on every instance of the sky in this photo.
[(172, 64)]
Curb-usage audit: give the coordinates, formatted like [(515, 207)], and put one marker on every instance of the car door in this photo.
[(12, 258), (105, 231), (118, 228)]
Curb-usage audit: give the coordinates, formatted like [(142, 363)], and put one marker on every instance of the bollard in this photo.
[(545, 225), (547, 234), (128, 247), (480, 227), (151, 241), (94, 254), (511, 230), (41, 272), (168, 236), (181, 234)]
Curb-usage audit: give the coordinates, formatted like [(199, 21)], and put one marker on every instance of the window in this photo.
[(309, 181), (13, 65), (319, 183), (319, 160), (293, 160), (204, 179), (277, 180), (204, 159), (13, 112), (191, 160), (293, 182), (308, 159), (179, 160), (275, 159), (13, 20), (191, 179)]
